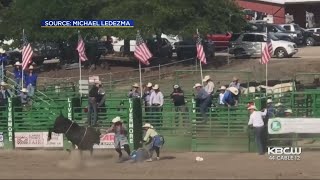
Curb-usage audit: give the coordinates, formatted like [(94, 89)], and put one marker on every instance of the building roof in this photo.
[(291, 1)]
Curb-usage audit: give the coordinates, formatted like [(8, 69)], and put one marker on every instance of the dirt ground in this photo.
[(37, 164)]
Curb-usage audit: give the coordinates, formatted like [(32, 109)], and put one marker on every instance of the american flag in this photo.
[(267, 51), (200, 53), (81, 50), (26, 53), (141, 51)]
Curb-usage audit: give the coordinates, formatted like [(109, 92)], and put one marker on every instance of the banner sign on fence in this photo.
[(37, 140), (293, 125), (1, 140), (106, 142)]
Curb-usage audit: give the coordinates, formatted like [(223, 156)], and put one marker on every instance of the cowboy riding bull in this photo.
[(83, 137)]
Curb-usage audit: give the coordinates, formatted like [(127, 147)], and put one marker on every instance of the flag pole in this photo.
[(80, 86), (140, 78), (200, 63), (22, 71), (266, 68)]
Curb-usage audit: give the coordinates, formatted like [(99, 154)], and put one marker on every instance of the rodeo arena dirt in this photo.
[(173, 164)]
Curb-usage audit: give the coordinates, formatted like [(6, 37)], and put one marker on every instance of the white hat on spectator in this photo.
[(156, 86), (269, 101), (288, 111), (235, 78), (149, 84), (30, 67), (197, 85), (176, 86), (3, 84), (233, 90), (24, 90), (147, 125), (2, 51), (136, 85), (223, 88), (98, 82), (278, 104), (206, 78), (252, 107), (17, 63), (116, 119)]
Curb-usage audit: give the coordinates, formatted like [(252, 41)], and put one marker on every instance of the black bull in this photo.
[(83, 137)]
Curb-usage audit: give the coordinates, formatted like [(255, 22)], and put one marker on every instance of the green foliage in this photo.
[(181, 17)]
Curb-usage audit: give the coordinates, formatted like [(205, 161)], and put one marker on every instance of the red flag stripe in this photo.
[(200, 52), (26, 55), (142, 52), (81, 49)]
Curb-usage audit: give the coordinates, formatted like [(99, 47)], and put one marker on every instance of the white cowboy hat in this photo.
[(116, 119), (17, 63), (136, 85), (223, 88), (3, 84), (206, 78), (156, 86), (176, 86), (31, 67), (2, 51), (98, 82), (252, 107), (269, 101), (288, 111), (278, 104), (24, 90), (197, 85), (235, 78), (147, 125), (233, 90), (149, 84)]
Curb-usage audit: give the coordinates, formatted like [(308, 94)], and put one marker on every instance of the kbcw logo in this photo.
[(284, 150)]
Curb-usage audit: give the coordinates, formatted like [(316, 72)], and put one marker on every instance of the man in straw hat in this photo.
[(235, 83), (221, 95), (24, 98), (120, 136), (157, 100), (256, 120), (203, 99), (288, 112), (17, 75), (229, 97), (153, 140), (209, 87), (31, 81), (178, 99), (93, 104), (134, 92), (4, 94), (146, 97)]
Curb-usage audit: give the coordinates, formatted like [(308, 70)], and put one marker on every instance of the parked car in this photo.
[(160, 47), (315, 30), (187, 49), (277, 31), (221, 41), (172, 39), (251, 45), (309, 38)]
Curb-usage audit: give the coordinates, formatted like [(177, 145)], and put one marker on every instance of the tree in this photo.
[(171, 17)]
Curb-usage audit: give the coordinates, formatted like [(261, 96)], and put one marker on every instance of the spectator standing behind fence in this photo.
[(17, 75), (4, 94), (93, 104), (235, 83), (204, 100), (256, 120), (134, 92), (288, 113), (157, 100), (146, 97), (230, 97), (101, 98), (221, 95), (31, 81), (209, 87), (177, 97), (24, 98)]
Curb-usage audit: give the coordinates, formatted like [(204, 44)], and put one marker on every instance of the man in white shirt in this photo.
[(156, 101), (209, 87), (222, 91), (256, 120)]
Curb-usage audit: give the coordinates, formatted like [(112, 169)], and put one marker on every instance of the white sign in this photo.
[(284, 153), (37, 140), (93, 79), (106, 142), (55, 141), (293, 125)]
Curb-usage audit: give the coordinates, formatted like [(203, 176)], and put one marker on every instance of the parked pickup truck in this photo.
[(221, 41), (309, 38)]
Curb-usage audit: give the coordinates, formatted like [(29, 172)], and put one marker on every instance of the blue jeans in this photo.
[(31, 90), (204, 106), (92, 108), (258, 133)]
